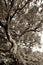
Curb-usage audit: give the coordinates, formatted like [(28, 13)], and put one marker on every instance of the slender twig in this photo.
[(28, 30), (12, 3), (5, 3), (8, 15), (19, 9)]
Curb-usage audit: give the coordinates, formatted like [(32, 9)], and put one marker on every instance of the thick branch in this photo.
[(5, 28), (18, 9), (7, 34)]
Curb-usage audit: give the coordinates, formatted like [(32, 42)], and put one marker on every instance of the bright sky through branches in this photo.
[(36, 47)]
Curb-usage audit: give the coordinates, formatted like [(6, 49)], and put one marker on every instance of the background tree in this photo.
[(21, 25)]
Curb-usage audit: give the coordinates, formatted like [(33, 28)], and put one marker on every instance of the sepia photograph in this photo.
[(21, 32)]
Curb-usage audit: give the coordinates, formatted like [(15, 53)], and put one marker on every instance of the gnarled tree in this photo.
[(20, 23)]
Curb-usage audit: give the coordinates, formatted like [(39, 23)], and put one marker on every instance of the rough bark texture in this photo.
[(21, 29)]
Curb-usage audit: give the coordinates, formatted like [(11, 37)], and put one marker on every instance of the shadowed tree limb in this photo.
[(5, 3), (7, 34), (30, 29), (8, 15), (13, 44), (2, 24), (5, 28), (19, 9)]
